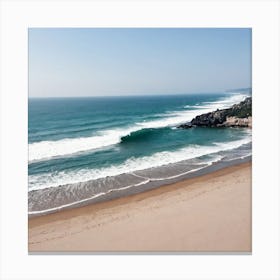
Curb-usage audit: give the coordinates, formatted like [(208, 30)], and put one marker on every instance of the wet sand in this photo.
[(210, 213)]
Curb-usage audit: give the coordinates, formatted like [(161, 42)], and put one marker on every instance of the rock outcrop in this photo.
[(240, 122), (239, 115)]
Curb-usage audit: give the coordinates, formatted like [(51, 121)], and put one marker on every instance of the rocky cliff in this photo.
[(239, 115)]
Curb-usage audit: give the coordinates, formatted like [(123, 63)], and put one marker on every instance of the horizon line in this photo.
[(145, 94)]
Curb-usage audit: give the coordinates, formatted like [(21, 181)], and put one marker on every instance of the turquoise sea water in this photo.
[(83, 148)]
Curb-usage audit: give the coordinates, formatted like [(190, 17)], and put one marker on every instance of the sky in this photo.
[(137, 61)]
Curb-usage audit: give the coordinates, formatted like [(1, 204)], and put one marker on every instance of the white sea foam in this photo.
[(145, 181), (45, 150), (45, 211), (132, 164)]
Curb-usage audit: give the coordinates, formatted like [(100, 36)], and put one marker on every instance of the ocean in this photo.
[(90, 149)]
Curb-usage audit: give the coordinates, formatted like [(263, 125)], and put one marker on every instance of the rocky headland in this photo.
[(239, 115)]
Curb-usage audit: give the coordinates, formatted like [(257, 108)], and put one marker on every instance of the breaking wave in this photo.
[(132, 164), (45, 150)]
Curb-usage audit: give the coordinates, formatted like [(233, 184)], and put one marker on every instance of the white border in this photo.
[(262, 16)]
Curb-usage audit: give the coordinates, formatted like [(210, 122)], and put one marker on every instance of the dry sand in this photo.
[(207, 213)]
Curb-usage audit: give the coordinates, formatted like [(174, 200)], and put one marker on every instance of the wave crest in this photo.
[(140, 135)]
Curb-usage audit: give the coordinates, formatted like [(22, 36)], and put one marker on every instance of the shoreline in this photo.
[(134, 188), (207, 213)]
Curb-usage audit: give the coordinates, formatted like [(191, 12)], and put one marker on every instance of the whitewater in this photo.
[(44, 150), (83, 150)]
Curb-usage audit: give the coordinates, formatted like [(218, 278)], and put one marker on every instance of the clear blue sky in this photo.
[(108, 61)]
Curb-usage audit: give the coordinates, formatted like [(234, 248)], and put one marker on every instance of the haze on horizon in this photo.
[(70, 62)]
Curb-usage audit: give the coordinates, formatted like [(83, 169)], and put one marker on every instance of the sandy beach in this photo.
[(210, 213)]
